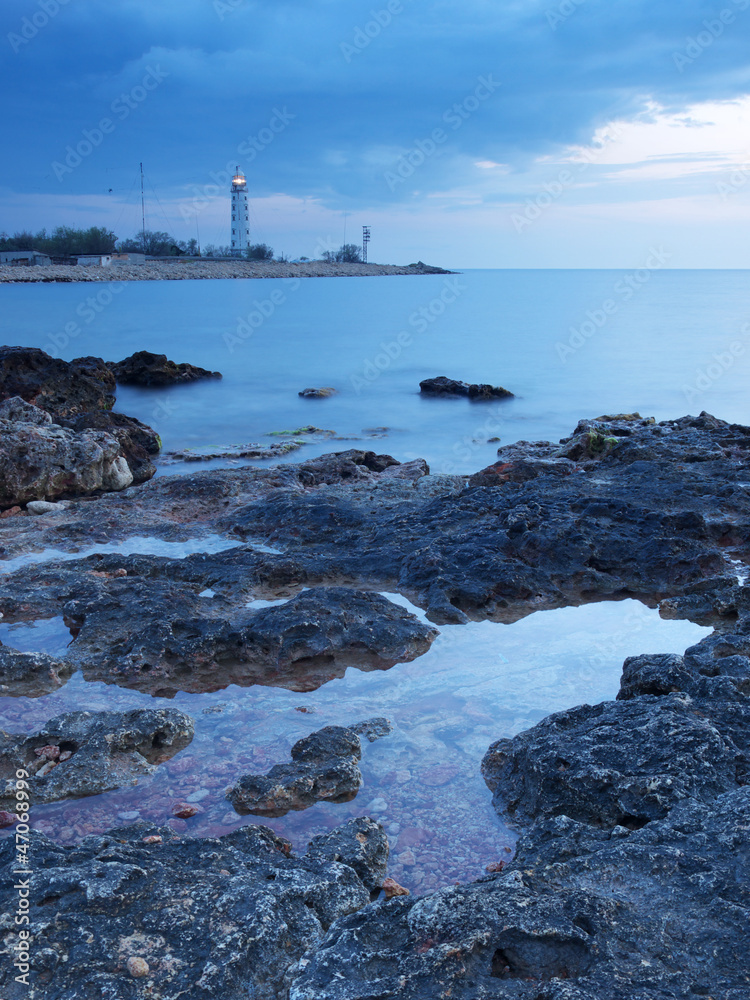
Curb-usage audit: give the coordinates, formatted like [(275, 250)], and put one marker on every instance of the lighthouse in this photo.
[(240, 214)]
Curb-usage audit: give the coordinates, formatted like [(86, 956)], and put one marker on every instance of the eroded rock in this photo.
[(85, 753), (325, 767), (210, 918), (61, 388), (40, 460), (145, 368), (444, 386)]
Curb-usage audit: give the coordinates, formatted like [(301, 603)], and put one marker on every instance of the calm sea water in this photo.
[(569, 344)]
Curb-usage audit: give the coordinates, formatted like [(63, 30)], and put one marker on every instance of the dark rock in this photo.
[(183, 642), (373, 729), (62, 388), (361, 844), (657, 914), (30, 675), (325, 768), (622, 763), (322, 393), (444, 386), (421, 268), (85, 753), (145, 368), (211, 918)]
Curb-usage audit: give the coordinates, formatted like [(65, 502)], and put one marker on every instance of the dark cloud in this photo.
[(355, 94)]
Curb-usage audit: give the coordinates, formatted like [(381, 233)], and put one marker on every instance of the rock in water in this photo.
[(321, 393), (40, 460), (325, 768), (444, 386), (145, 368), (62, 388), (85, 753)]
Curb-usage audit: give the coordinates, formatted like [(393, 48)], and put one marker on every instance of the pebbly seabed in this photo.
[(630, 879)]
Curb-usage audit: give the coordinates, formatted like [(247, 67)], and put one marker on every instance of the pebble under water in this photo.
[(479, 682)]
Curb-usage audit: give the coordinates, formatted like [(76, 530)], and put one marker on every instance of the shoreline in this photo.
[(205, 270)]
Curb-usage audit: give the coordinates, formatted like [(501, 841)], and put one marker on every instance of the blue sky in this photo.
[(568, 133)]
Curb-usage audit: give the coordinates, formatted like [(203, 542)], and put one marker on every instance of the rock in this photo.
[(41, 460), (30, 674), (145, 368), (373, 729), (43, 507), (325, 768), (322, 393), (392, 889), (361, 844), (97, 752), (138, 442), (660, 913), (61, 388), (200, 645), (211, 918), (137, 967), (618, 764), (7, 819), (444, 386)]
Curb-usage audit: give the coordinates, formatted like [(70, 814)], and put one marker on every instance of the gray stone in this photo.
[(85, 753)]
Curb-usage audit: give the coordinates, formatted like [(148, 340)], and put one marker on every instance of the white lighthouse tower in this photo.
[(240, 214)]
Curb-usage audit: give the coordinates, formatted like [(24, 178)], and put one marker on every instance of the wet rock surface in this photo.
[(444, 386), (325, 767), (632, 872), (30, 674), (85, 753), (145, 368), (216, 918)]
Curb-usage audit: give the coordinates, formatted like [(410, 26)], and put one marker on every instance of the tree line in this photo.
[(64, 241)]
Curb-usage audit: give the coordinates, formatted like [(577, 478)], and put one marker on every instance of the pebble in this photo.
[(6, 818), (130, 816), (391, 888), (153, 839), (378, 805), (198, 796), (183, 810), (44, 507), (137, 967)]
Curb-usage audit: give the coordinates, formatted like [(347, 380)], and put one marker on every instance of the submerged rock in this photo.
[(324, 768), (444, 386), (218, 918), (85, 753), (145, 368)]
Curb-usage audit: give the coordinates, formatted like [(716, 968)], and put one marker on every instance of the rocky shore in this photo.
[(630, 881), (180, 270)]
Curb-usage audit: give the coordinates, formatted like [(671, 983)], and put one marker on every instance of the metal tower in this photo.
[(365, 241)]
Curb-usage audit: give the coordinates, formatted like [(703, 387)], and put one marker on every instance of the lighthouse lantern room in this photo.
[(240, 214)]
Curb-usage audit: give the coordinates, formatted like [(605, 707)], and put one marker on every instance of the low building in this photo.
[(94, 259), (25, 258), (128, 258)]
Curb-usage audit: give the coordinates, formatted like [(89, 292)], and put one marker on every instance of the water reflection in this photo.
[(477, 683)]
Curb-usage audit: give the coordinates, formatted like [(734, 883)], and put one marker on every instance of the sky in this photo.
[(465, 133)]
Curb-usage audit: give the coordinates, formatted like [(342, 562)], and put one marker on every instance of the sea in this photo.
[(568, 344)]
